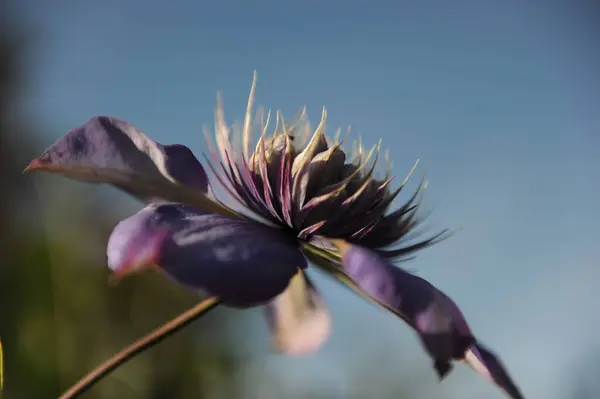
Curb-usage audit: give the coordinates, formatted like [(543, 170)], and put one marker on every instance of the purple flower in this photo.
[(301, 202)]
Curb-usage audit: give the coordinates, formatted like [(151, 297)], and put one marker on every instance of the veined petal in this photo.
[(298, 318), (111, 143), (242, 262), (109, 150), (437, 320)]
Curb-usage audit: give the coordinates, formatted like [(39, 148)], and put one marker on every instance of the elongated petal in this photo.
[(316, 145), (242, 262), (111, 143), (298, 318), (108, 150), (438, 321)]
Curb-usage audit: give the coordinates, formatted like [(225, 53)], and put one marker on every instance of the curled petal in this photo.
[(242, 262), (437, 320), (111, 143), (108, 150), (298, 318)]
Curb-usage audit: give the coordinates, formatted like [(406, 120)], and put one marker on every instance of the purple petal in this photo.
[(439, 322), (107, 150), (242, 262), (298, 318), (109, 143), (184, 167), (487, 364)]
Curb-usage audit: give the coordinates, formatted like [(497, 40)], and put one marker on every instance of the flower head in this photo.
[(304, 199), (308, 186)]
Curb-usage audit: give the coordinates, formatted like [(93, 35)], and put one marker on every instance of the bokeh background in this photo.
[(499, 99)]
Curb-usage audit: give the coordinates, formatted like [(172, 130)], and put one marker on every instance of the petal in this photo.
[(108, 150), (298, 318), (316, 145), (242, 262), (321, 171), (437, 320), (487, 364), (108, 142)]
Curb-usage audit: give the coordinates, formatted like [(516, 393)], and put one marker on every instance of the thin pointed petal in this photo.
[(248, 119), (316, 145), (488, 365), (242, 262), (298, 318)]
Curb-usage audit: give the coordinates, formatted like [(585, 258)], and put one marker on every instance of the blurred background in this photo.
[(499, 99)]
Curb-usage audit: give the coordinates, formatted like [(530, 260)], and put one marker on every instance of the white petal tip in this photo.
[(304, 339)]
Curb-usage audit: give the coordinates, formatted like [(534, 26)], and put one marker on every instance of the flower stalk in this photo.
[(144, 343)]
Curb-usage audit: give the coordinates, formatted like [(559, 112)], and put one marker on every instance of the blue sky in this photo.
[(498, 99)]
